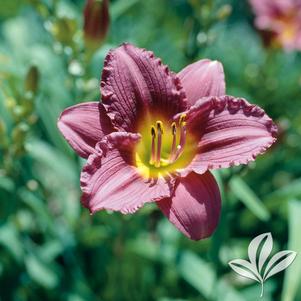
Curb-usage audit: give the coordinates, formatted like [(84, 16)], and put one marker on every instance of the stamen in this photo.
[(183, 135), (174, 128), (153, 153), (159, 142), (156, 146), (180, 147), (182, 119), (174, 142)]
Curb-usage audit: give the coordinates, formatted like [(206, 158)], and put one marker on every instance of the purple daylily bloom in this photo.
[(155, 135), (282, 18)]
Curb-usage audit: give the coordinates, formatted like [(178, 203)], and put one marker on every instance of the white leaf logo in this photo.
[(259, 251)]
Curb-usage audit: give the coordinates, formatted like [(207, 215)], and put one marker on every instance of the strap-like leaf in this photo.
[(284, 259), (245, 269)]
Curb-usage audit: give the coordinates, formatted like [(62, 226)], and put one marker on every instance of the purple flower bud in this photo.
[(96, 22)]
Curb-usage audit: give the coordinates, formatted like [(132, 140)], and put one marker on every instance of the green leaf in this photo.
[(9, 238), (52, 159), (292, 278), (244, 193), (198, 273), (225, 292), (38, 207), (50, 250), (281, 196), (40, 272), (171, 299), (7, 183), (118, 8)]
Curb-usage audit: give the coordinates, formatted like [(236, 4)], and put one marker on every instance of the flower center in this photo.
[(175, 151), (164, 147), (289, 27)]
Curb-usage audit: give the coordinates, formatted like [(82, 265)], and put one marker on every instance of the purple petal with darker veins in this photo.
[(231, 131), (83, 125), (109, 180), (203, 78), (195, 207), (134, 81)]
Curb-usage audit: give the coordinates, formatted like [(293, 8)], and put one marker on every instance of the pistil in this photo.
[(153, 153), (159, 142)]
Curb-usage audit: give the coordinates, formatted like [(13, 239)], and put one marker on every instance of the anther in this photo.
[(182, 119), (174, 128), (153, 131), (153, 153), (160, 126)]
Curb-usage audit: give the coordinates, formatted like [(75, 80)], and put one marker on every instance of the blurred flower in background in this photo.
[(280, 20), (96, 22)]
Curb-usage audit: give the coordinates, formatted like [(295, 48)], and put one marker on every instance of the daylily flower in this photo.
[(282, 19), (155, 135)]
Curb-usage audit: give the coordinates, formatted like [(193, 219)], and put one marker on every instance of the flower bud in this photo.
[(96, 22), (19, 133), (32, 79), (224, 12), (2, 132), (2, 126), (10, 103), (64, 30)]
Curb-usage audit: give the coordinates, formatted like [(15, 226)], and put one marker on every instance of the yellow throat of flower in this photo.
[(289, 24), (165, 147)]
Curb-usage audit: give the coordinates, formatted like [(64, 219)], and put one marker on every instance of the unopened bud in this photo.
[(224, 12), (18, 112), (64, 29), (19, 133), (2, 131), (2, 126), (10, 103), (32, 119), (96, 22), (32, 79)]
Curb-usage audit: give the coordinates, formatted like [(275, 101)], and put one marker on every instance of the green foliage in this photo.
[(50, 247)]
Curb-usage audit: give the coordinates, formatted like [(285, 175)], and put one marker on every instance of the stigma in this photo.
[(177, 145)]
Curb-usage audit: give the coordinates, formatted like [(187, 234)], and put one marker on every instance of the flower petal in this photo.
[(231, 131), (133, 80), (109, 180), (203, 78), (83, 125), (272, 8), (269, 14), (195, 207)]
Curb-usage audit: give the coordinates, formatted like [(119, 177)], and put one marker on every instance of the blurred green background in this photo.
[(50, 247)]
